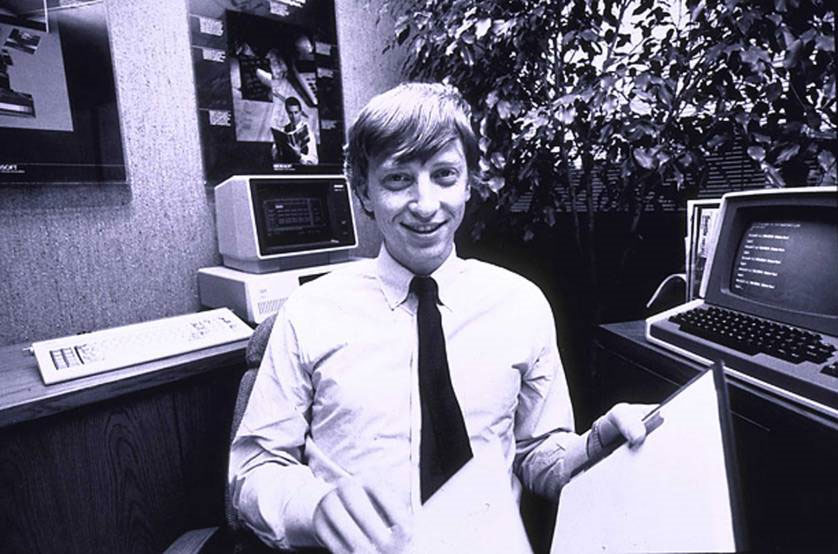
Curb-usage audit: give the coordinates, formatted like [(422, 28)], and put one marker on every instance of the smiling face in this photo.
[(418, 205)]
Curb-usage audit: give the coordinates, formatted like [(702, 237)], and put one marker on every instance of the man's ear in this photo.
[(364, 199)]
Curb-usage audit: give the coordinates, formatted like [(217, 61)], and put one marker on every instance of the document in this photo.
[(674, 493), (475, 511)]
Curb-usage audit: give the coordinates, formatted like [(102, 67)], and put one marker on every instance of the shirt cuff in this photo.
[(593, 442), (299, 513), (602, 433)]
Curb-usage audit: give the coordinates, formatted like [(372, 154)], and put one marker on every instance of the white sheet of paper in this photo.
[(669, 495), (475, 511)]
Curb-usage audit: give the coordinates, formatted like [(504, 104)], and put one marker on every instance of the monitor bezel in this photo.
[(734, 220), (267, 252)]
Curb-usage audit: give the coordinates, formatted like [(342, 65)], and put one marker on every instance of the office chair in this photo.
[(231, 537)]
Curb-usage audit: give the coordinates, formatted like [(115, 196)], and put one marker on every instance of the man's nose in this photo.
[(426, 202)]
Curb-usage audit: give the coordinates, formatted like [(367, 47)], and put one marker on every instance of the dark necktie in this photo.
[(444, 446)]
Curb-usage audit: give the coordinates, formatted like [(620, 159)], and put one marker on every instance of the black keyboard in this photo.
[(753, 335), (792, 359)]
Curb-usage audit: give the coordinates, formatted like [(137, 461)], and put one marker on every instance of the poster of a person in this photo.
[(294, 116)]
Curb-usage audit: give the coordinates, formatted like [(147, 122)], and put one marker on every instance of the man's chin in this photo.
[(427, 260)]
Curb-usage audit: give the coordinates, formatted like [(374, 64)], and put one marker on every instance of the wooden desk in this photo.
[(122, 461), (787, 454)]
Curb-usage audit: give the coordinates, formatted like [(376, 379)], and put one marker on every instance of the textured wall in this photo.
[(80, 258), (366, 72)]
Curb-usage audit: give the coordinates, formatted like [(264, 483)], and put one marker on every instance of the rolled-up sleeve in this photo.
[(548, 450), (273, 492)]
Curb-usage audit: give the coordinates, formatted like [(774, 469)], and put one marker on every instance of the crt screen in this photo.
[(294, 215), (789, 264)]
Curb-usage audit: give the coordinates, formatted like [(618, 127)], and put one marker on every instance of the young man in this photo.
[(295, 143), (342, 438)]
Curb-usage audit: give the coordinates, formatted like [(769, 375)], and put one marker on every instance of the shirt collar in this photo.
[(395, 278)]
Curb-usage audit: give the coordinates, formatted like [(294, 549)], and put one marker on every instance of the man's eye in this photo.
[(446, 176), (396, 180)]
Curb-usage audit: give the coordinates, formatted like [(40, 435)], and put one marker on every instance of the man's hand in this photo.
[(357, 517), (626, 420)]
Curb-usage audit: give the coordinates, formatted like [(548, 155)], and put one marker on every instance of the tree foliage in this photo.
[(636, 93)]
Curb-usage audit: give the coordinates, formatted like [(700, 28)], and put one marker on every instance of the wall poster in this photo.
[(268, 86), (59, 122)]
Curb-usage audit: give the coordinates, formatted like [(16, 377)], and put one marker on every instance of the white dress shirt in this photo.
[(337, 393)]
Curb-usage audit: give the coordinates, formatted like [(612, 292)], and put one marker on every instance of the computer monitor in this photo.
[(276, 222), (776, 255)]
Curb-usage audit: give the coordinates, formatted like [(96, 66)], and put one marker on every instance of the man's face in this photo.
[(294, 114), (419, 205)]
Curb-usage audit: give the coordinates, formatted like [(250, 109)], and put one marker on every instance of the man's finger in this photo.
[(385, 501), (628, 419), (336, 529), (367, 518)]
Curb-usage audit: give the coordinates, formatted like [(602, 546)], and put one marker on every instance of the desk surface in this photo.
[(24, 397)]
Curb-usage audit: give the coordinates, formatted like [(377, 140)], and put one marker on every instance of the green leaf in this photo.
[(640, 107), (644, 157), (773, 91), (496, 184), (498, 160), (567, 114), (775, 179), (757, 153), (794, 54), (482, 27), (549, 215), (716, 141), (787, 153), (826, 161), (504, 109), (567, 99), (679, 178), (826, 43), (501, 27)]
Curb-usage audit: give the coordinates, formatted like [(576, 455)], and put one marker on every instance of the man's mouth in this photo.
[(424, 228)]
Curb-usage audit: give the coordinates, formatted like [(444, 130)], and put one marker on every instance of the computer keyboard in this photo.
[(86, 354), (753, 335), (796, 363)]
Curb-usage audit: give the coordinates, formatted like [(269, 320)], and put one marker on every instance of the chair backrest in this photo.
[(253, 356)]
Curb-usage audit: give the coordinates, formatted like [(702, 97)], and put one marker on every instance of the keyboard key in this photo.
[(831, 369)]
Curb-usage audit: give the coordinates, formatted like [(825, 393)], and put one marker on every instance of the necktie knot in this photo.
[(425, 289)]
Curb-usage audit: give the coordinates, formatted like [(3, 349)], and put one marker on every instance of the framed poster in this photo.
[(268, 86), (59, 122)]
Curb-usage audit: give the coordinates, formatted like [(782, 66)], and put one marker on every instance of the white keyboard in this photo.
[(89, 353)]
